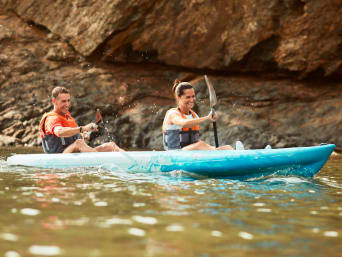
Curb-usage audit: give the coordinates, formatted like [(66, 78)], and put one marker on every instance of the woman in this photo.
[(181, 124)]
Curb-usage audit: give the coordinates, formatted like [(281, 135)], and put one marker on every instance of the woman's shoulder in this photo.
[(194, 114), (172, 111)]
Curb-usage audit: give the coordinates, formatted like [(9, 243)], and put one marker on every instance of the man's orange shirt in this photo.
[(54, 121)]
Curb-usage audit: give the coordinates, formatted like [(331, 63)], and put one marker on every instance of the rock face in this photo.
[(241, 35), (275, 64)]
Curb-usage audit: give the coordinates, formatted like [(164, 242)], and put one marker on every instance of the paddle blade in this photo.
[(212, 94), (98, 117)]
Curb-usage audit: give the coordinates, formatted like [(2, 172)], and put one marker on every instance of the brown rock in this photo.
[(85, 24), (5, 33), (313, 39), (267, 35), (8, 141)]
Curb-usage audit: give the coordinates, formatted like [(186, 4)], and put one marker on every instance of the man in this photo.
[(60, 132)]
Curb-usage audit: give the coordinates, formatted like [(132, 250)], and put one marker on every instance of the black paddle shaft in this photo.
[(215, 134), (215, 128)]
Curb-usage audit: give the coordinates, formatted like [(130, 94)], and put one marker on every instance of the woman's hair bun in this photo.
[(175, 84), (179, 87)]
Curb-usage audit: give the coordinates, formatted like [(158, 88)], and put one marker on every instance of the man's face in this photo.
[(62, 103)]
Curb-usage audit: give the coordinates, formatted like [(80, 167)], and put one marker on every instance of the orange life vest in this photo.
[(52, 143), (65, 122)]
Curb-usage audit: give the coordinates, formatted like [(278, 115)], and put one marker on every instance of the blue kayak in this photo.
[(297, 161)]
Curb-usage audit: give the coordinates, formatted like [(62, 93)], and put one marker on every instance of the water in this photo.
[(92, 212)]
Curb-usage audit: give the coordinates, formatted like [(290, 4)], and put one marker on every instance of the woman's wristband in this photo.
[(81, 129)]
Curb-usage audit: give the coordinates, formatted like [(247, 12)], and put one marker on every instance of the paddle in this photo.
[(99, 122), (213, 102), (101, 126), (98, 117)]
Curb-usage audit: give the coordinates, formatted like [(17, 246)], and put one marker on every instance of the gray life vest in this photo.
[(175, 137)]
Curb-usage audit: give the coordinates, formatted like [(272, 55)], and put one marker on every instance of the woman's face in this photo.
[(187, 99)]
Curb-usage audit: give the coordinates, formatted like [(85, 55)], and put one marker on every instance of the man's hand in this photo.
[(91, 127), (86, 135)]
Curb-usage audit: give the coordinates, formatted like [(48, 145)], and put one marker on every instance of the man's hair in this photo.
[(59, 90)]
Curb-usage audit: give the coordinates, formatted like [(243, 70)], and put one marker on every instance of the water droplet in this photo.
[(175, 228), (139, 204), (246, 235), (29, 211), (12, 254), (145, 220), (39, 194), (331, 233), (259, 204), (136, 232), (8, 237), (264, 210), (118, 221), (44, 250), (315, 230), (101, 204), (216, 233)]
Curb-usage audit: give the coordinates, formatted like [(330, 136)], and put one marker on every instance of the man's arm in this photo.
[(66, 131), (60, 131)]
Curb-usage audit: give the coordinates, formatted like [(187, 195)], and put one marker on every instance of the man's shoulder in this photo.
[(53, 121), (51, 118)]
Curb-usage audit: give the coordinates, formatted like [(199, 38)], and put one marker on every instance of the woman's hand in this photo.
[(211, 117)]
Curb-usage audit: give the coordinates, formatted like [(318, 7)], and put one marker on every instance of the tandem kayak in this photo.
[(297, 161)]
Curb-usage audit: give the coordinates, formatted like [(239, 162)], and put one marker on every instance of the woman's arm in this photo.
[(177, 119)]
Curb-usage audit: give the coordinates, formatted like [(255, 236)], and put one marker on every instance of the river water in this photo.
[(92, 212)]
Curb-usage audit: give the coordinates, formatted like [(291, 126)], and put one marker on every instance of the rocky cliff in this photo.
[(275, 64)]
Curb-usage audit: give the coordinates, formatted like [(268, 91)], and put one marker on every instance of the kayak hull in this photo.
[(298, 161)]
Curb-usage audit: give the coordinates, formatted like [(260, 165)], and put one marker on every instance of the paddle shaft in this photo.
[(215, 128), (213, 101)]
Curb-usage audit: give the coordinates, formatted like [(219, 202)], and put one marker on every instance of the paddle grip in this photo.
[(212, 112)]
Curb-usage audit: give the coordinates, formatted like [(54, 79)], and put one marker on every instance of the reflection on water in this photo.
[(92, 212)]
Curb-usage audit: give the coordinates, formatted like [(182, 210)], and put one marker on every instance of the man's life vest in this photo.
[(174, 136), (52, 143)]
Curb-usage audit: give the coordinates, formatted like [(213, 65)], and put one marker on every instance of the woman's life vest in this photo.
[(52, 143), (174, 136)]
